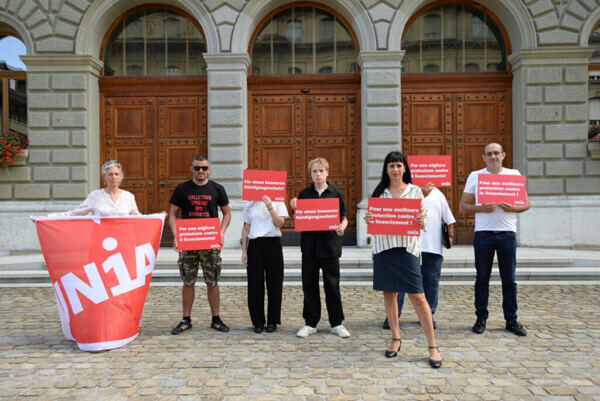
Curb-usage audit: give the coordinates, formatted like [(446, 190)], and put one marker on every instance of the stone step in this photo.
[(37, 263), (534, 264), (348, 274)]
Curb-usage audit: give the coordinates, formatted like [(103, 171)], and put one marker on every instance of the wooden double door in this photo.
[(457, 115), (153, 129), (294, 122)]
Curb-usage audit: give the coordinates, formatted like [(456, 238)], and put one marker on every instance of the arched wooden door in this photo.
[(457, 116), (153, 102), (291, 124), (154, 130), (456, 92), (304, 102)]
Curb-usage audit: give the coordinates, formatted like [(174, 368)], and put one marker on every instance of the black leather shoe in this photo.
[(433, 363), (258, 329), (516, 327), (219, 326), (479, 326), (182, 326), (271, 328), (391, 354), (386, 324)]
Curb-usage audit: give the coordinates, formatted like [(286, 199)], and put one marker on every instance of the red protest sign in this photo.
[(498, 188), (196, 234), (434, 169), (100, 268), (317, 214), (258, 183), (393, 216)]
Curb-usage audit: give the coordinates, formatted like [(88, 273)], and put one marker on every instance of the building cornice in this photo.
[(227, 61), (544, 56), (63, 63), (378, 59)]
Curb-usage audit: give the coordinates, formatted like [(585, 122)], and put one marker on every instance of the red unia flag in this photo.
[(100, 269)]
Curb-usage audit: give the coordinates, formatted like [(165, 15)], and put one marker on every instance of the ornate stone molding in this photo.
[(63, 63), (226, 61)]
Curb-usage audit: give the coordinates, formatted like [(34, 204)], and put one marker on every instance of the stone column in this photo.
[(381, 122), (228, 130), (550, 124), (63, 129)]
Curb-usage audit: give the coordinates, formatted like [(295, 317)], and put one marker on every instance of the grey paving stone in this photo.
[(558, 360)]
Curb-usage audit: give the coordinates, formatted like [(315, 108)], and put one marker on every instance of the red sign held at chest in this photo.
[(317, 214), (258, 183), (498, 188), (197, 234), (392, 216), (434, 169)]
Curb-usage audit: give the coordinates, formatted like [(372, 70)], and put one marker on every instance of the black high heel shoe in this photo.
[(433, 363), (391, 354)]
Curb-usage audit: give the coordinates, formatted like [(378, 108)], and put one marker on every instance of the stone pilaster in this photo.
[(228, 130), (63, 129), (550, 113), (381, 121)]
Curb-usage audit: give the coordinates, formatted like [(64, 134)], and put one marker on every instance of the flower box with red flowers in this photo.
[(12, 148)]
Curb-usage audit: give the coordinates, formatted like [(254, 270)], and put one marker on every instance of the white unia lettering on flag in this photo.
[(100, 268)]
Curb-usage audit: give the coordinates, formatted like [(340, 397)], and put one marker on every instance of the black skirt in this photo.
[(396, 270)]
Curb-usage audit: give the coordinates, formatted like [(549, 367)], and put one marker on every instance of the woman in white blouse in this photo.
[(108, 201), (396, 264), (263, 256)]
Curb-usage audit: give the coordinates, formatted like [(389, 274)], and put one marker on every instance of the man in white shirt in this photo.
[(495, 233)]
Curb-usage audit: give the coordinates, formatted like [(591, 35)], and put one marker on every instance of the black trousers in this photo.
[(265, 260), (310, 286)]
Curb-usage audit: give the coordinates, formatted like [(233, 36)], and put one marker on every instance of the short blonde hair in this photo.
[(319, 160)]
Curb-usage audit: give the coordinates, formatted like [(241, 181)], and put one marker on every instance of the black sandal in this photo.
[(391, 354), (433, 363)]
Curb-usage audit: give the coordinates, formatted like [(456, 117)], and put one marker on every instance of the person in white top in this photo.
[(438, 212), (108, 201), (495, 233), (263, 256)]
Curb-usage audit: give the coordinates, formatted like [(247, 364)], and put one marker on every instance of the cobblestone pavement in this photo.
[(559, 359)]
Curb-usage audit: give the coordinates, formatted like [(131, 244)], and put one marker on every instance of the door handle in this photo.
[(163, 183)]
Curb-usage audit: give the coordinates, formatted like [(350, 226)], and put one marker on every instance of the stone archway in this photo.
[(455, 113), (101, 14), (513, 14), (255, 11), (15, 26)]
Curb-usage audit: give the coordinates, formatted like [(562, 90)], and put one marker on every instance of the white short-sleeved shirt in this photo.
[(256, 214), (438, 211), (498, 220), (99, 203)]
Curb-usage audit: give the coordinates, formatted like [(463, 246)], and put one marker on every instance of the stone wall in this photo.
[(550, 108)]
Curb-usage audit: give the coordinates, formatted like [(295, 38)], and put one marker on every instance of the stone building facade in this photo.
[(549, 62)]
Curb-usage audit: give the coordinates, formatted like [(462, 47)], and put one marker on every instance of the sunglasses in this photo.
[(198, 168)]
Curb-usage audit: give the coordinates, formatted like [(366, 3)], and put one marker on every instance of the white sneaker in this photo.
[(306, 331), (340, 331)]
